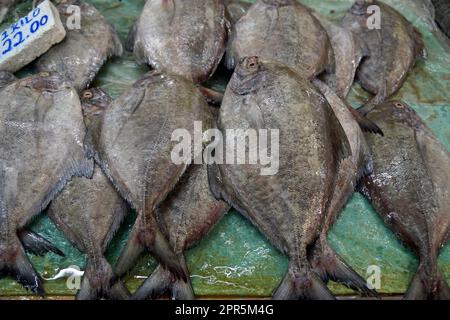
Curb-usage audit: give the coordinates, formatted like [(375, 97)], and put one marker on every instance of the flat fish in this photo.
[(288, 207), (186, 216), (283, 31), (324, 259), (410, 190), (393, 49), (184, 37), (135, 151), (80, 56), (89, 212), (348, 52), (42, 133)]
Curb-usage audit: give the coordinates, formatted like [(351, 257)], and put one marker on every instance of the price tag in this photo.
[(30, 37)]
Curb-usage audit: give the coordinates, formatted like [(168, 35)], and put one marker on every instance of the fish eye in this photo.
[(87, 95), (399, 105)]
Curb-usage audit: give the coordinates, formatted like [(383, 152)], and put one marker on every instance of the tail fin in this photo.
[(302, 284), (162, 281), (155, 242), (428, 284), (98, 282), (14, 262), (379, 98), (36, 244), (329, 266)]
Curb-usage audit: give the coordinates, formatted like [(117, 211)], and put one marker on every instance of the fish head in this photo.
[(94, 102), (249, 76)]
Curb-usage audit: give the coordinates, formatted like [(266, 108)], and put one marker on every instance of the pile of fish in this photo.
[(90, 160)]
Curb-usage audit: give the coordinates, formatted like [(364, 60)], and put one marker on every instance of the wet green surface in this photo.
[(234, 259)]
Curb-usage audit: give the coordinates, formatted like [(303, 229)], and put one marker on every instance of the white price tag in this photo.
[(30, 37)]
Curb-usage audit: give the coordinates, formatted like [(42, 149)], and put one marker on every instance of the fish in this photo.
[(393, 49), (183, 37), (350, 171), (441, 10), (42, 133), (288, 207), (186, 216), (236, 9), (5, 7), (348, 53), (85, 49), (283, 31), (89, 212), (409, 188), (135, 148)]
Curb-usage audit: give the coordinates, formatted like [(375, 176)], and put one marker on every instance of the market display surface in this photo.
[(234, 259)]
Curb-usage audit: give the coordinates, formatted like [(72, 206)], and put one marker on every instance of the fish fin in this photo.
[(6, 78), (339, 140), (131, 39), (426, 286), (365, 124), (162, 281), (36, 244), (302, 284), (212, 97), (151, 239), (330, 266), (98, 282), (155, 285), (379, 98), (162, 251), (15, 263), (117, 47)]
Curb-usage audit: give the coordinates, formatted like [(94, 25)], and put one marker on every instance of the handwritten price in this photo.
[(17, 34)]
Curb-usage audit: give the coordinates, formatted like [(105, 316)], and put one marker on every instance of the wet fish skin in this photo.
[(41, 130), (134, 150), (80, 56), (184, 37), (348, 53), (283, 31), (393, 50), (186, 216), (290, 206), (409, 189), (328, 264)]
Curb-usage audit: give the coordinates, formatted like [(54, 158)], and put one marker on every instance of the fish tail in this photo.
[(37, 245), (365, 124), (329, 266), (379, 98), (151, 239), (428, 284), (162, 281), (15, 263), (302, 284), (99, 282)]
